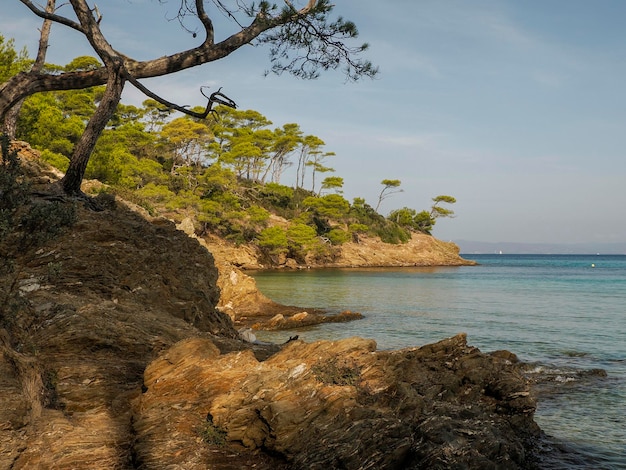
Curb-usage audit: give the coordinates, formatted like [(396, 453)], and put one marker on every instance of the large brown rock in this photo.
[(420, 250), (336, 405), (88, 311)]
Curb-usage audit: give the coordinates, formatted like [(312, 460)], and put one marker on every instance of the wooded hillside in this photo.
[(235, 173)]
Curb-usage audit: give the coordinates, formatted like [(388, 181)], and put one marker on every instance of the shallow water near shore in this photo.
[(563, 315)]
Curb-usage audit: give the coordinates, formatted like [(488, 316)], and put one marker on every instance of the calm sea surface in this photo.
[(564, 315)]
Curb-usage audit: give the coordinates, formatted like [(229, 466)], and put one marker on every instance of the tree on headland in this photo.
[(286, 140), (309, 150), (331, 183), (389, 188), (317, 166), (437, 211), (425, 220), (304, 40)]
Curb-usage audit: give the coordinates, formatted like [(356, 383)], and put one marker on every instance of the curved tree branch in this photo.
[(10, 120), (27, 83), (215, 98), (206, 22), (91, 29), (22, 85), (46, 15), (206, 52)]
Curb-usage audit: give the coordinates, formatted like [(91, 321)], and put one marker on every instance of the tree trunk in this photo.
[(82, 151), (9, 126)]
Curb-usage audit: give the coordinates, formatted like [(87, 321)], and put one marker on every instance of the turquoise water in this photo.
[(565, 315)]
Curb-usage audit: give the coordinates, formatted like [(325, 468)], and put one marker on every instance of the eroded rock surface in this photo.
[(337, 405)]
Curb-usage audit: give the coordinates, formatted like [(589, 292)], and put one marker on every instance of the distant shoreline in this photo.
[(465, 255), (469, 247)]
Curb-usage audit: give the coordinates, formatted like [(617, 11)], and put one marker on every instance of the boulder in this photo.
[(335, 404)]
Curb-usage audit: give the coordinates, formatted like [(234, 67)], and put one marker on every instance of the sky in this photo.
[(515, 108)]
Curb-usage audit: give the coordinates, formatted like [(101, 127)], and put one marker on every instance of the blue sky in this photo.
[(516, 108)]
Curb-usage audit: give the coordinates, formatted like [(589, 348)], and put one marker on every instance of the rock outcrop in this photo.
[(239, 296), (303, 319), (335, 405), (420, 250)]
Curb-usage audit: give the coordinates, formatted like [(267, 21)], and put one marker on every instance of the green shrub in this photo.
[(358, 228), (273, 240), (403, 217), (156, 192), (276, 194), (212, 434), (184, 199), (107, 165), (333, 206), (57, 160), (338, 236), (300, 239), (392, 233), (258, 215), (43, 221), (300, 235), (209, 213), (424, 222)]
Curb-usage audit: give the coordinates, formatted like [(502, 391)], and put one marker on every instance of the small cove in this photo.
[(560, 314)]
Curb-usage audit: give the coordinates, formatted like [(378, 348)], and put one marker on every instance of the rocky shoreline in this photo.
[(248, 307), (338, 404), (119, 357)]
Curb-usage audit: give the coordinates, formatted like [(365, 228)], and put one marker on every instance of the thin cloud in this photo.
[(412, 141)]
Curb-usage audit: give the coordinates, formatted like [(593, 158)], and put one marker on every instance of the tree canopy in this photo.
[(304, 39)]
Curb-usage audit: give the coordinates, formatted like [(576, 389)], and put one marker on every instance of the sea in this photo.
[(564, 316)]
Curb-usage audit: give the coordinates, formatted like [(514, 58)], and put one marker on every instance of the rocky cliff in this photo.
[(115, 356), (420, 250)]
